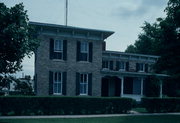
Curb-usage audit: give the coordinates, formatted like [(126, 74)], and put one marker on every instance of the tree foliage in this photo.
[(16, 38), (23, 85), (161, 38)]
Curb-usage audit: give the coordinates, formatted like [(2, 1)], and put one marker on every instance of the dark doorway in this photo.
[(105, 87), (111, 86), (117, 86), (132, 85)]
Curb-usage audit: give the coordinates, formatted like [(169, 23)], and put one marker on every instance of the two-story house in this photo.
[(73, 61)]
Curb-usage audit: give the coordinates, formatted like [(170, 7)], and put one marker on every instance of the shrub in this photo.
[(161, 104), (2, 93), (63, 105)]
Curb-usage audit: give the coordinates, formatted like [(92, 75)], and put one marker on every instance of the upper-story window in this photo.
[(58, 46), (84, 47), (107, 64), (142, 67), (84, 51), (58, 49), (122, 65)]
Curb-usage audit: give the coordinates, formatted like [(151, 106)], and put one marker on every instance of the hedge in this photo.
[(51, 105), (161, 105)]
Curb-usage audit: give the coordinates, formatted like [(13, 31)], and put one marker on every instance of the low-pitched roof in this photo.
[(104, 33)]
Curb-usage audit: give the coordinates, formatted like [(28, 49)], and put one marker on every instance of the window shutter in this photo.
[(90, 84), (51, 48), (35, 83), (103, 64), (111, 65), (78, 51), (103, 45), (77, 83), (117, 65), (127, 66), (64, 49), (50, 82), (146, 68), (90, 51), (64, 83), (137, 67)]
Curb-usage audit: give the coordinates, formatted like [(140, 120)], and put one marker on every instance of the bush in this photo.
[(18, 93), (2, 93), (161, 104), (30, 105)]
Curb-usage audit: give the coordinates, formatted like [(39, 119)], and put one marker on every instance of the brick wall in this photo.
[(43, 65)]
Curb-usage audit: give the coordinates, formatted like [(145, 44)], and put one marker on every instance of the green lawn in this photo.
[(124, 119), (140, 110)]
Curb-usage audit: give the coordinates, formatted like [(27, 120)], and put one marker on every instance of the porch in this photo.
[(125, 84), (113, 86)]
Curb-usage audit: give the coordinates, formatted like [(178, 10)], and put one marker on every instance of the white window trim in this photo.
[(120, 69), (107, 67), (86, 52), (143, 68), (57, 82), (85, 42), (84, 94), (61, 50)]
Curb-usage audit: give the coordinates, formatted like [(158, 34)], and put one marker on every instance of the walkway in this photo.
[(84, 116)]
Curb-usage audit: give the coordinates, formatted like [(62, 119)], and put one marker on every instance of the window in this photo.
[(57, 83), (58, 49), (121, 65), (107, 64), (141, 67), (83, 84), (84, 47), (58, 46), (84, 51)]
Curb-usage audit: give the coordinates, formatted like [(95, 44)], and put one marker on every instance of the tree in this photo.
[(17, 39), (131, 49), (152, 88), (173, 11), (162, 38), (148, 41)]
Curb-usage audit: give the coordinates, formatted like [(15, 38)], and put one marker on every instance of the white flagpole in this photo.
[(66, 12)]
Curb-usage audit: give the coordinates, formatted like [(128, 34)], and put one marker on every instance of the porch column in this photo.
[(142, 81), (160, 93), (122, 86)]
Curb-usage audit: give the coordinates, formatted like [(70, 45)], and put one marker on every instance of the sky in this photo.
[(124, 17)]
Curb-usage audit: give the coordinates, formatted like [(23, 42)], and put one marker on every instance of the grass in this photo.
[(123, 119), (140, 110)]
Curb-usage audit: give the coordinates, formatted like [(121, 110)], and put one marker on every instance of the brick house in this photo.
[(73, 61)]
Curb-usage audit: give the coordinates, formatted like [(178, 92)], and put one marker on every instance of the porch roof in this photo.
[(133, 74), (129, 56)]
